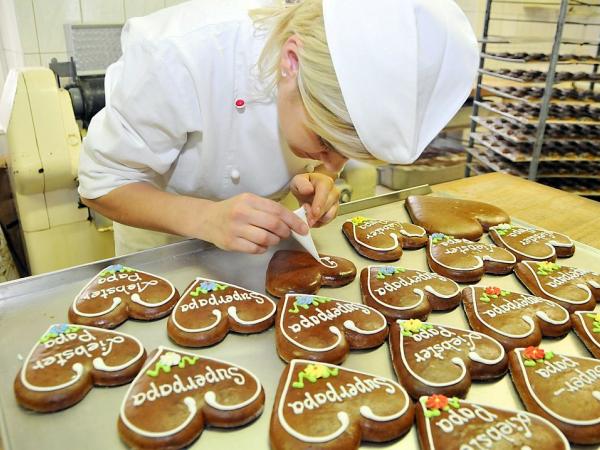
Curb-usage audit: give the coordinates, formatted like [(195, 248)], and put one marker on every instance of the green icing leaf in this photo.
[(529, 363)]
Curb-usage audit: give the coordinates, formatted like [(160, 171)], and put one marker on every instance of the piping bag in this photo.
[(306, 241)]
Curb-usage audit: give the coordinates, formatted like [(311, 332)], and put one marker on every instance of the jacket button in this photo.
[(235, 175)]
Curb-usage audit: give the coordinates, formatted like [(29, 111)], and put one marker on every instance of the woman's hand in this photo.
[(319, 192), (249, 223)]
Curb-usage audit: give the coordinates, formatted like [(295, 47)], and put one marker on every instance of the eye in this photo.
[(325, 145)]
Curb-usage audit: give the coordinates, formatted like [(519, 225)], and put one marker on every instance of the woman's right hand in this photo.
[(249, 223)]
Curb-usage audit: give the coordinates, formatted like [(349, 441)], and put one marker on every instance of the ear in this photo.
[(289, 62)]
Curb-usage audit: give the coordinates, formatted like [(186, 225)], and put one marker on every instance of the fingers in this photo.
[(272, 223), (301, 185), (245, 246), (291, 220), (326, 196), (328, 216), (259, 236)]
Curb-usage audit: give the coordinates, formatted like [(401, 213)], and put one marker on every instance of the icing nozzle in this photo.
[(307, 240)]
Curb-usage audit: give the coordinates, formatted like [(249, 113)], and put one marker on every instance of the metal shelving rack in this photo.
[(520, 134)]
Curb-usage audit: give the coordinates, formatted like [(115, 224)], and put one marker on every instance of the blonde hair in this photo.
[(318, 85)]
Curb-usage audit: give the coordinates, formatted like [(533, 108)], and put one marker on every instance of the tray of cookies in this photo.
[(525, 57), (412, 330), (539, 76)]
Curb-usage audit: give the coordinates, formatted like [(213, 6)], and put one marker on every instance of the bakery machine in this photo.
[(44, 140)]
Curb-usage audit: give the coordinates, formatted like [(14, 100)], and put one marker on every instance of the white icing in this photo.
[(333, 329), (527, 319), (455, 360), (532, 417), (542, 405), (593, 338), (327, 262), (232, 311), (537, 236), (478, 259), (117, 300), (527, 264), (417, 291), (386, 225), (97, 363), (189, 402), (596, 395), (215, 312), (594, 284), (342, 416)]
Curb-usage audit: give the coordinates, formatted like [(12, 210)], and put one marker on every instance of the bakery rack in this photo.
[(539, 116)]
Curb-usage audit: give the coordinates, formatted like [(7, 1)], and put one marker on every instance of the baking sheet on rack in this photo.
[(91, 424)]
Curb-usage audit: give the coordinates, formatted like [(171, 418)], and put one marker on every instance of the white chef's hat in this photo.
[(405, 67)]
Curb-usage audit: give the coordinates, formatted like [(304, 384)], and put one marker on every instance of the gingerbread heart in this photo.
[(466, 261), (461, 218), (587, 327), (563, 389), (512, 318), (208, 309), (321, 405), (434, 359), (68, 360), (382, 240), (453, 424), (178, 393), (400, 293), (573, 289), (119, 292), (325, 329), (532, 244), (299, 272)]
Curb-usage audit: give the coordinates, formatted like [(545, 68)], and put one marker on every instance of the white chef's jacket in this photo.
[(171, 117)]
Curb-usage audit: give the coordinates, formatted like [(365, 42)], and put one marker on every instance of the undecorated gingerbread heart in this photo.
[(382, 240), (178, 394), (460, 218), (325, 329), (209, 309), (119, 292), (434, 359), (69, 359), (400, 293), (321, 405), (298, 272), (512, 318)]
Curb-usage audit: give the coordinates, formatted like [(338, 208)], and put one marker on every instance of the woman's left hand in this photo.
[(319, 192)]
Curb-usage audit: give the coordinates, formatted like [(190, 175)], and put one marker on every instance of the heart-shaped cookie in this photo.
[(299, 272), (325, 329), (400, 293), (178, 394), (325, 406), (69, 359), (382, 240), (208, 309), (587, 327), (434, 359), (573, 289), (119, 292), (461, 218), (512, 318), (466, 261), (532, 244), (453, 424), (563, 389)]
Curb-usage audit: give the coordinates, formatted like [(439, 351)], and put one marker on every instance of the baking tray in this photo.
[(589, 60), (28, 306), (526, 121)]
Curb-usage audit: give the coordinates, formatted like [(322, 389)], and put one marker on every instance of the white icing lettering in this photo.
[(321, 316), (214, 300)]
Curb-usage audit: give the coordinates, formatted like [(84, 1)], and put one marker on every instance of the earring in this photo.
[(283, 73)]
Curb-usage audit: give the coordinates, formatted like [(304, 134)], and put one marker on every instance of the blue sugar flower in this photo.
[(388, 270), (208, 286), (304, 300)]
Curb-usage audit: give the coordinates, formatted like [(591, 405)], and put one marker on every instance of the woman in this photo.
[(211, 117)]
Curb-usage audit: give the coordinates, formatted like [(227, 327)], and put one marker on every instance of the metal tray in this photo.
[(28, 306)]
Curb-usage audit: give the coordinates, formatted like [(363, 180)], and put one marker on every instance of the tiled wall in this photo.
[(40, 22)]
